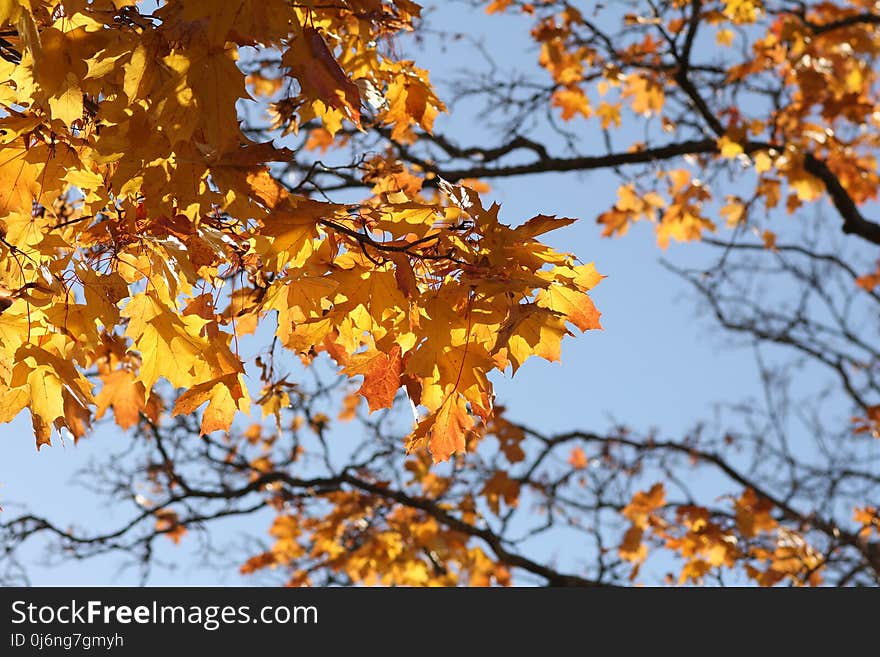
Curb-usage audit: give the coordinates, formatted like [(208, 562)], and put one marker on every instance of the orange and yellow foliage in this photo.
[(143, 233)]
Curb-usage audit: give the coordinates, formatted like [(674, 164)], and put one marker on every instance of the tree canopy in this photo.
[(194, 192)]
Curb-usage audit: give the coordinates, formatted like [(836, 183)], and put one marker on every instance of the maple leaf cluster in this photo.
[(750, 537), (144, 233), (809, 143)]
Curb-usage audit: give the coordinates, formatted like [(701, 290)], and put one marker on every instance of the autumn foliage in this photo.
[(159, 245), (144, 233)]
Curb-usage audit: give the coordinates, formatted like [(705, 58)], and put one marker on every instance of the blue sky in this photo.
[(657, 363)]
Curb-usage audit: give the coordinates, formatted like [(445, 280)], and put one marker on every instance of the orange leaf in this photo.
[(578, 459), (320, 76), (869, 281), (753, 514), (168, 522), (575, 306), (404, 275), (500, 487), (381, 373), (445, 432), (226, 395), (124, 395)]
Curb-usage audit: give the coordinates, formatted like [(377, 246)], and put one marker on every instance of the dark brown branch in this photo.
[(584, 163), (866, 18), (854, 223)]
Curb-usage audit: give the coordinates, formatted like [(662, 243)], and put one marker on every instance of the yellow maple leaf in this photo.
[(743, 11), (724, 37), (224, 395), (124, 395), (531, 330), (411, 101), (445, 432), (728, 147), (575, 306)]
